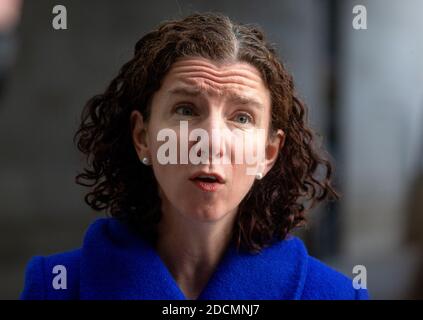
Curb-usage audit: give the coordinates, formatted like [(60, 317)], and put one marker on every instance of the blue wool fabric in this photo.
[(114, 264)]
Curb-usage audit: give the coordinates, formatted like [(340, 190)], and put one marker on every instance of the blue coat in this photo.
[(114, 263)]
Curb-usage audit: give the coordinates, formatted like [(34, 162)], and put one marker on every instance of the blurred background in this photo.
[(364, 89)]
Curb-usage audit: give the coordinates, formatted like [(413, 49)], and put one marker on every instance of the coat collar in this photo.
[(118, 264)]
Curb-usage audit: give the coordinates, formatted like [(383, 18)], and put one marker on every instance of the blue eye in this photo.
[(184, 110), (243, 118)]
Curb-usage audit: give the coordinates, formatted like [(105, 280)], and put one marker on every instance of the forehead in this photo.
[(199, 76)]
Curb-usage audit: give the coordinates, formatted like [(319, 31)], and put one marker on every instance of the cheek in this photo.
[(251, 147), (160, 139), (172, 183), (162, 172), (243, 147), (240, 185)]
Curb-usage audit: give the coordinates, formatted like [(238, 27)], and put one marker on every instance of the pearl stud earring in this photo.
[(259, 175), (145, 161)]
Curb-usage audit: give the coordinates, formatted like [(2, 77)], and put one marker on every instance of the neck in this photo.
[(192, 249)]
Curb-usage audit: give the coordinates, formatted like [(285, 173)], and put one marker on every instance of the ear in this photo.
[(139, 134), (275, 144)]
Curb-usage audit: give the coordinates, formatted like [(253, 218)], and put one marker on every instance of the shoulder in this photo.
[(325, 283), (57, 276), (299, 275), (314, 279), (54, 277)]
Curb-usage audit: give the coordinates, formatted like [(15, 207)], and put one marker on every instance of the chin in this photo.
[(207, 214)]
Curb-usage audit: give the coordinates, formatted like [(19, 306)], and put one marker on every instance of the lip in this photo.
[(207, 186), (219, 178)]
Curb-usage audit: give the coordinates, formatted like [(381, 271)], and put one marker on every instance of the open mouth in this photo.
[(207, 182), (207, 179)]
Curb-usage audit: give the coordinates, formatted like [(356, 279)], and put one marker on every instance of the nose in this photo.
[(215, 143)]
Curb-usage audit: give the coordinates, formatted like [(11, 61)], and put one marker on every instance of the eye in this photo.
[(184, 110), (243, 118)]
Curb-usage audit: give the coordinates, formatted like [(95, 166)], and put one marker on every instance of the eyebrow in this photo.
[(233, 97)]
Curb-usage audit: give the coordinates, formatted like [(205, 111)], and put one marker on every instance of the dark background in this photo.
[(363, 87)]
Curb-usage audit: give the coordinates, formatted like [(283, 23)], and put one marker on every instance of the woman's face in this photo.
[(200, 118)]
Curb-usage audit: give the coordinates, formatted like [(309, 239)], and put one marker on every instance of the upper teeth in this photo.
[(209, 177)]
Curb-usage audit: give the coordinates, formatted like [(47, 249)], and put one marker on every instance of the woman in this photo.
[(190, 219)]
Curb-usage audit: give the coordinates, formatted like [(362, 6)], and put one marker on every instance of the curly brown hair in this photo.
[(128, 190)]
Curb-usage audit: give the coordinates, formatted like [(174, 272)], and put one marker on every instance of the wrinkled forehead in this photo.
[(202, 76)]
